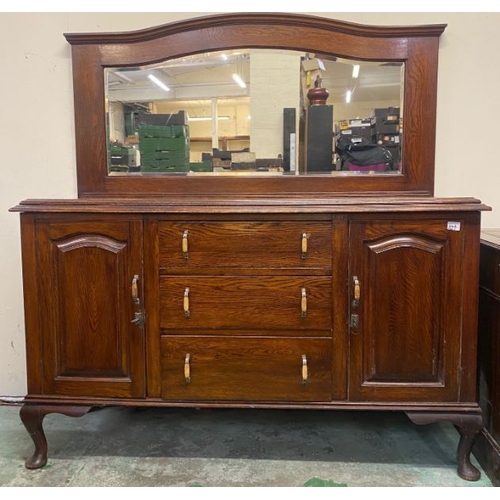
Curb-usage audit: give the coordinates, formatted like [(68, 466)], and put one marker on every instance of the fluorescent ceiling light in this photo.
[(224, 57), (355, 71), (158, 82), (348, 97), (239, 81), (206, 118)]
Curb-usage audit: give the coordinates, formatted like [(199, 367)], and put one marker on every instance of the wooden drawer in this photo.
[(248, 245), (246, 302), (246, 369)]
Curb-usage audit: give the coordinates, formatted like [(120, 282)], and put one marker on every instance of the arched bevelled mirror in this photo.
[(255, 112), (256, 104)]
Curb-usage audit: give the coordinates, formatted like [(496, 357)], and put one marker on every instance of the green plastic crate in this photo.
[(167, 131), (163, 144), (200, 167), (161, 167), (167, 157)]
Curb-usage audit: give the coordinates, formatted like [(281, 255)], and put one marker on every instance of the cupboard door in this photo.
[(405, 323), (90, 290)]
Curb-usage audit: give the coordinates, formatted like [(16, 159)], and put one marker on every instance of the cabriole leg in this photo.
[(470, 426), (32, 416)]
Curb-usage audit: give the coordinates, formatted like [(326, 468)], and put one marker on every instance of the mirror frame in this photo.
[(416, 46)]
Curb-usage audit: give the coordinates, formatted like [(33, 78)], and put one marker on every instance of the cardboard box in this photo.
[(221, 163), (244, 157)]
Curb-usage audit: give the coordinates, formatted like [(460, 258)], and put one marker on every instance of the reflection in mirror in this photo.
[(255, 112)]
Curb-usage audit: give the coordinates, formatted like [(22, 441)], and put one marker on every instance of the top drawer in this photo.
[(249, 245)]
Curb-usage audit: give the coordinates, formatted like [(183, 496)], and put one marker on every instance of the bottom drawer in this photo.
[(246, 369)]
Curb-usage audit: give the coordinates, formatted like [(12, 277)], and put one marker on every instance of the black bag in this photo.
[(363, 154)]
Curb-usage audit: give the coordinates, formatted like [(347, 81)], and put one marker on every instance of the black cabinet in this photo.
[(487, 448), (320, 138)]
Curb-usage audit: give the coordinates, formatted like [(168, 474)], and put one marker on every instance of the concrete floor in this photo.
[(224, 448)]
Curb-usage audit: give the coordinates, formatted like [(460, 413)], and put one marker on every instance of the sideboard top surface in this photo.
[(228, 205)]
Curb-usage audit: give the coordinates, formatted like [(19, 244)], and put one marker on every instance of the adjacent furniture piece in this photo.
[(310, 292), (487, 448)]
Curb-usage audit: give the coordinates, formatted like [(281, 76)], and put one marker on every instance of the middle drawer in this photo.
[(246, 302)]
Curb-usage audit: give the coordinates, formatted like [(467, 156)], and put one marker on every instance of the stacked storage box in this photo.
[(386, 130), (122, 159), (356, 131), (200, 167), (131, 121), (164, 148), (375, 139), (360, 129), (385, 122)]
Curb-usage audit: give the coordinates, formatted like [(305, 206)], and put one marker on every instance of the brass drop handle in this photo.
[(357, 291), (304, 245), (303, 303), (185, 304), (304, 369), (185, 244), (135, 289), (187, 368)]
